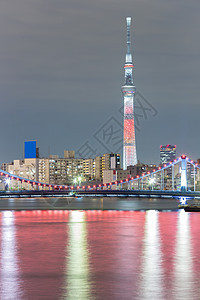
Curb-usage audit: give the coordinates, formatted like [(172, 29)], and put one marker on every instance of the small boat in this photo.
[(180, 206), (191, 208)]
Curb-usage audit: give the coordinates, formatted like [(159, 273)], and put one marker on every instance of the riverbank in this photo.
[(89, 203)]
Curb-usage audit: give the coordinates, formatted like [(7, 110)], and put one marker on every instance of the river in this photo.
[(147, 253)]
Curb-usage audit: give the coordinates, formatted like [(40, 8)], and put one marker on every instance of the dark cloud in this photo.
[(62, 70)]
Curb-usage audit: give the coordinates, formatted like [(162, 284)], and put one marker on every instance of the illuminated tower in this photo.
[(128, 91)]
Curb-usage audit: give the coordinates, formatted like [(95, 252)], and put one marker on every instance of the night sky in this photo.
[(62, 70)]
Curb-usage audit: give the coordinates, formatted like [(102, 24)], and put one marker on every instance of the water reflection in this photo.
[(183, 276), (99, 255), (78, 273), (151, 270), (10, 285)]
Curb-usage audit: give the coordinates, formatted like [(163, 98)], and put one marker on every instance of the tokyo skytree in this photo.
[(128, 91)]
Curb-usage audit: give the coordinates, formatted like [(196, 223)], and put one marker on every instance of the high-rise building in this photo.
[(4, 166), (167, 154), (98, 168), (115, 161), (89, 168), (27, 168), (69, 154), (65, 170), (43, 170), (106, 162), (128, 91), (31, 150)]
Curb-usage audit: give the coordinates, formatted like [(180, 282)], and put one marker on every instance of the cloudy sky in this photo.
[(62, 70)]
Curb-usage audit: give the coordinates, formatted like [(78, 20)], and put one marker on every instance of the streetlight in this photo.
[(151, 182), (79, 180), (75, 181), (7, 183)]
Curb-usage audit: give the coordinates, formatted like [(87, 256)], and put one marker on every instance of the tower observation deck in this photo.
[(128, 91)]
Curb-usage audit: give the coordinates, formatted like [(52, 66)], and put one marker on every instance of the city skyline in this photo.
[(62, 71)]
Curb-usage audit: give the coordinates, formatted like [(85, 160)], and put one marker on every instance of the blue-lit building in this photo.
[(31, 150)]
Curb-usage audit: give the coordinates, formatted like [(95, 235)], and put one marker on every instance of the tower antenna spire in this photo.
[(128, 42)]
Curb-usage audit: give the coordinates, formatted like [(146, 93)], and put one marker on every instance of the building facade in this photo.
[(89, 168), (106, 162), (167, 153), (113, 175), (63, 171), (27, 168), (140, 168)]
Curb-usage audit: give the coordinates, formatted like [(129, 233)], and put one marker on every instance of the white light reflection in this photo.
[(152, 273), (9, 287), (183, 276), (78, 277), (183, 200)]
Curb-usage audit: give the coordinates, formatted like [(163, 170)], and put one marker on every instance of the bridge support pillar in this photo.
[(183, 173), (129, 185), (151, 180), (172, 177), (162, 179)]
